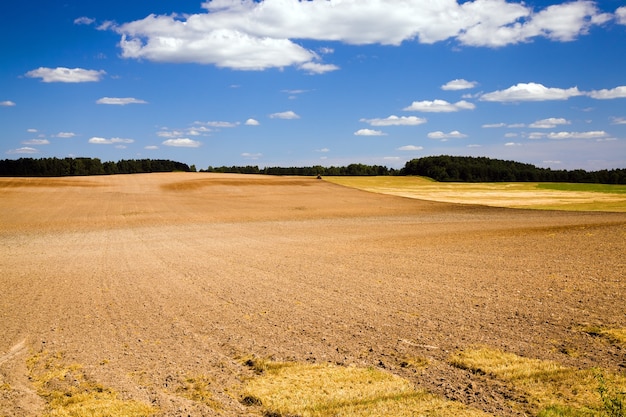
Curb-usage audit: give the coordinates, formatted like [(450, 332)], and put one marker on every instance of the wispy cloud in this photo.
[(250, 155), (65, 135), (84, 21), (288, 115), (24, 150), (66, 75), (439, 135), (410, 148), (7, 103), (549, 123), (439, 106), (120, 101), (103, 141), (396, 121), (36, 142), (594, 134)]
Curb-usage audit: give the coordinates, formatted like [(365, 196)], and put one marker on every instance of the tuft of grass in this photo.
[(198, 389), (554, 390), (289, 389), (617, 336), (69, 393)]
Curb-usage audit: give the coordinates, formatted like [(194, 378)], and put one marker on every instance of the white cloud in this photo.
[(284, 115), (65, 135), (620, 15), (36, 142), (410, 148), (318, 68), (66, 75), (549, 123), (439, 106), (594, 134), (369, 132), (24, 150), (597, 134), (396, 121), (493, 125), (617, 92), (458, 84), (618, 120), (103, 141), (84, 21), (512, 144), (252, 122), (455, 134), (182, 143), (218, 124), (7, 103), (323, 150), (253, 35), (249, 155), (32, 130), (531, 92), (151, 147), (120, 101)]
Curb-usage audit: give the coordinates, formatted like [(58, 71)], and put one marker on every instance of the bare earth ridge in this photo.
[(145, 280)]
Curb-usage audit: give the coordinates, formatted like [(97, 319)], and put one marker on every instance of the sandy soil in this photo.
[(146, 280)]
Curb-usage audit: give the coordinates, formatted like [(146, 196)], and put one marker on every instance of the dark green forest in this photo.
[(481, 169), (440, 168), (55, 167)]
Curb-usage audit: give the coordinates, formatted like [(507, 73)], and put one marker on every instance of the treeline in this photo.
[(350, 170), (55, 167), (481, 169)]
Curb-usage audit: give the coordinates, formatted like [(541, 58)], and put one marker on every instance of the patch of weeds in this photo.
[(415, 362), (316, 390), (68, 391), (553, 389), (613, 401), (198, 389), (615, 336)]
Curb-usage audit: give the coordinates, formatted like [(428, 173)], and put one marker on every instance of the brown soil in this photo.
[(146, 280)]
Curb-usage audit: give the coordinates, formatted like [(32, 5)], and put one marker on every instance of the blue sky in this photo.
[(328, 82)]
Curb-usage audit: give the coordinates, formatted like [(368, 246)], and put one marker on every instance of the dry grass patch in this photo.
[(553, 389), (617, 336), (544, 196), (69, 393), (292, 389)]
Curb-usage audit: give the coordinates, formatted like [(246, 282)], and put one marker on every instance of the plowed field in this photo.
[(148, 282)]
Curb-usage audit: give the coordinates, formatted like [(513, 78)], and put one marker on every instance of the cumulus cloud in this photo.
[(7, 103), (256, 35), (458, 84), (24, 150), (455, 134), (103, 141), (182, 143), (620, 15), (218, 124), (531, 92), (252, 122), (439, 106), (120, 101), (549, 123), (84, 20), (369, 132), (396, 121), (410, 148), (617, 92), (36, 142), (284, 115), (66, 75)]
